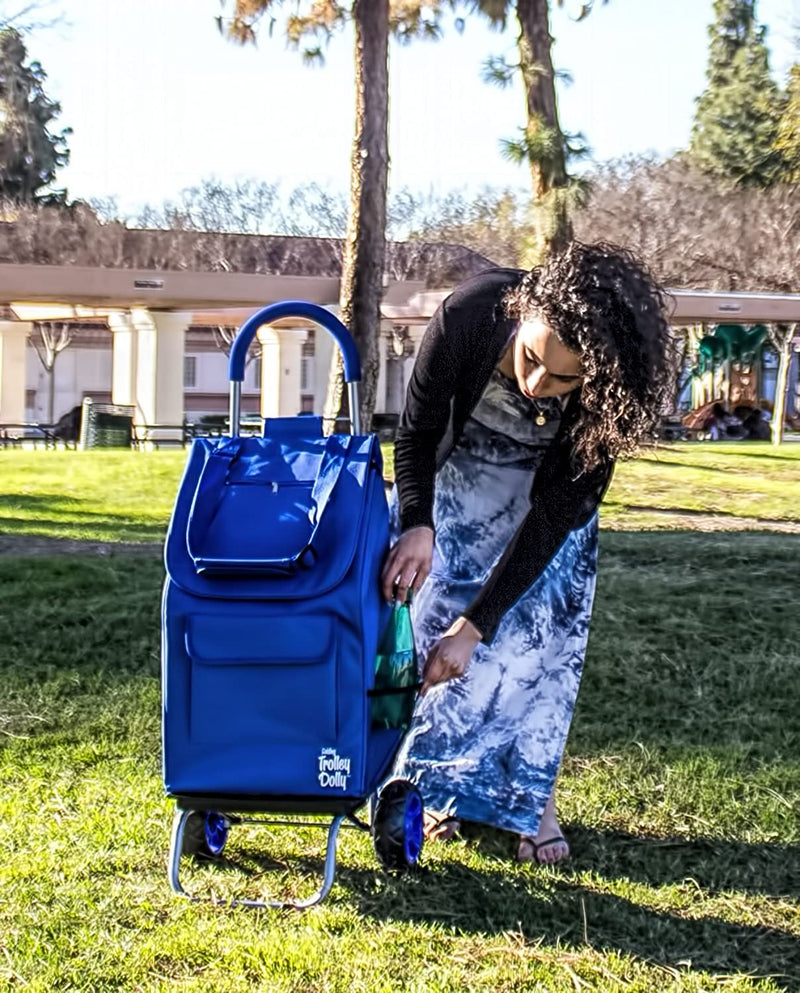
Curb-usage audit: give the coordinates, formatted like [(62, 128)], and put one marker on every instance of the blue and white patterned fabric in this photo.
[(487, 747)]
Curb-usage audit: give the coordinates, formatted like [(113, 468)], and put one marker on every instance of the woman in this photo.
[(526, 389)]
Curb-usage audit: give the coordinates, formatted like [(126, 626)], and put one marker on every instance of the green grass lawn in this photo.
[(680, 790), (128, 496)]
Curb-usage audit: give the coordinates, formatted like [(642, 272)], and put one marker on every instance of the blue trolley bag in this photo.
[(272, 609)]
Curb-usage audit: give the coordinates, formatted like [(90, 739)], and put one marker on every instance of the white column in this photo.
[(162, 337), (270, 371), (123, 358), (281, 358), (323, 352), (147, 369), (291, 342), (13, 337), (380, 389)]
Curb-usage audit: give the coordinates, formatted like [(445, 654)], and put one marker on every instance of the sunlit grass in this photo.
[(128, 496)]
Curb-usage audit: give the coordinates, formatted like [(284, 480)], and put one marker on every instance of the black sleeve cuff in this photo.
[(415, 517)]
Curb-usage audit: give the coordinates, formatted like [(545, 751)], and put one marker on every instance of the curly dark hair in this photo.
[(603, 304)]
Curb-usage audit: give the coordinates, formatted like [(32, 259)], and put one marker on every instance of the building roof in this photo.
[(78, 239)]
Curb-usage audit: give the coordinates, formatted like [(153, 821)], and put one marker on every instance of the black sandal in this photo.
[(435, 821), (536, 845)]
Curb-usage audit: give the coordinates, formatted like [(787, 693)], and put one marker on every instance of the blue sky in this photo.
[(158, 100)]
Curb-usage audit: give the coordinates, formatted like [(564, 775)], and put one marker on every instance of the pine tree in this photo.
[(788, 140), (30, 154), (542, 145), (737, 115)]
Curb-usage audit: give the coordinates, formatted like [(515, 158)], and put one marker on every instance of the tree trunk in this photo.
[(51, 393), (361, 286), (784, 346), (549, 172)]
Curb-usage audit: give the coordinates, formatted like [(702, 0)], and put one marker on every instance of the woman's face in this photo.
[(543, 366)]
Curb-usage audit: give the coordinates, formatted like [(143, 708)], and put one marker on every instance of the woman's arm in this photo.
[(422, 426), (461, 345), (424, 420)]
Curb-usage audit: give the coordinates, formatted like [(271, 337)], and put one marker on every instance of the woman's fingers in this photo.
[(439, 667), (404, 571), (389, 574), (408, 564), (423, 571), (450, 656), (398, 572), (404, 583)]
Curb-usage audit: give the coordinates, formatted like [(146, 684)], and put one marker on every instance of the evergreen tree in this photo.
[(30, 153), (542, 145), (788, 140), (736, 120)]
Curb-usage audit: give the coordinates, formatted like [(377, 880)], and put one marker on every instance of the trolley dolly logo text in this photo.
[(334, 771)]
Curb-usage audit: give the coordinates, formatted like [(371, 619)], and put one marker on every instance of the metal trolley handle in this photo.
[(275, 312)]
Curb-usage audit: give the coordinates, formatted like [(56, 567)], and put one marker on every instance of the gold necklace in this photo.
[(540, 418)]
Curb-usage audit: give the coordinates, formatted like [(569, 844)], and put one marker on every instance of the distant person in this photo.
[(725, 426), (68, 426), (527, 388), (754, 424)]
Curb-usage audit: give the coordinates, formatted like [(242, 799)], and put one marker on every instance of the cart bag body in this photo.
[(272, 615)]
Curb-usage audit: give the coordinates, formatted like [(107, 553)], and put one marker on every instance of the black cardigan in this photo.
[(461, 346)]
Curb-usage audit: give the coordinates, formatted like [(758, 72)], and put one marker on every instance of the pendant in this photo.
[(541, 419)]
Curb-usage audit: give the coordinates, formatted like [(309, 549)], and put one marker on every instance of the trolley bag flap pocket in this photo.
[(257, 510), (261, 680), (258, 640)]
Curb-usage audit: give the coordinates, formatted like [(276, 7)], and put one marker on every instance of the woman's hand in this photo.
[(449, 657), (407, 564)]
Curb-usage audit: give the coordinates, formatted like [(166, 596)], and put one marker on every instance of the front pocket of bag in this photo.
[(260, 521), (261, 679)]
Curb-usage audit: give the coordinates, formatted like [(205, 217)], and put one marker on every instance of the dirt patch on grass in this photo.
[(34, 546), (631, 518)]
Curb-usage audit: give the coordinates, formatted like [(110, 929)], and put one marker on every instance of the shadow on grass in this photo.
[(59, 534), (678, 656), (539, 905), (554, 907), (28, 501), (61, 515), (716, 866)]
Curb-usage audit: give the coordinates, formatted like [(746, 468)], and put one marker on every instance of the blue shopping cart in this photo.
[(271, 620)]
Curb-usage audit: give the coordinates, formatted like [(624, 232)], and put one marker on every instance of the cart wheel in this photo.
[(205, 833), (397, 826)]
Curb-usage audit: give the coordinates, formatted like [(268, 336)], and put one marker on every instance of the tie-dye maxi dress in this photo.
[(486, 747)]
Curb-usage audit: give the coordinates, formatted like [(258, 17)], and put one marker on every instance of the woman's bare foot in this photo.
[(548, 845), (440, 827)]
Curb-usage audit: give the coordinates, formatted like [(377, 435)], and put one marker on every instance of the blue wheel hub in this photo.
[(412, 828), (216, 829)]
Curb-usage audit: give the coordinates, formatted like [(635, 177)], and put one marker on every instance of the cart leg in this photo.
[(329, 872), (175, 849), (330, 868)]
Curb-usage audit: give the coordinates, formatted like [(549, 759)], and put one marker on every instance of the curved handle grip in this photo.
[(294, 308)]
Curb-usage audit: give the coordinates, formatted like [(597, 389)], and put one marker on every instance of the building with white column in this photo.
[(156, 340)]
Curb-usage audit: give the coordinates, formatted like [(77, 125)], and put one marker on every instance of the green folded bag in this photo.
[(396, 677)]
